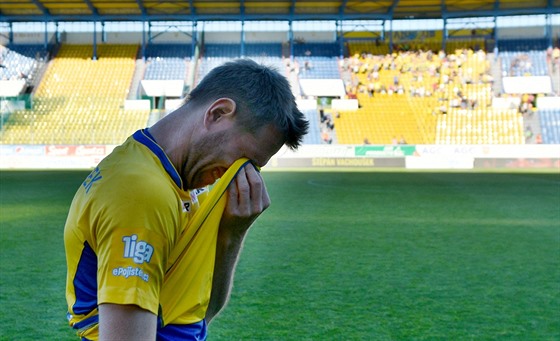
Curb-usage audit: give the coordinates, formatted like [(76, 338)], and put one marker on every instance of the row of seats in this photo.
[(378, 47), (317, 49), (172, 68), (384, 120), (234, 50), (550, 125), (480, 126), (520, 45), (168, 51), (318, 67), (21, 61), (528, 63)]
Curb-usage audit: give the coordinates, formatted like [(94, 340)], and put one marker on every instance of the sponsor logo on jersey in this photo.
[(130, 271), (187, 204), (139, 251), (194, 196), (200, 190), (92, 178)]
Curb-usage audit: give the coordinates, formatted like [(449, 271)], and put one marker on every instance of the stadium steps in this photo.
[(314, 134), (139, 70), (554, 71), (496, 73), (532, 121)]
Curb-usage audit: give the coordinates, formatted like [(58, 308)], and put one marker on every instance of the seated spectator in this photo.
[(325, 136), (538, 139)]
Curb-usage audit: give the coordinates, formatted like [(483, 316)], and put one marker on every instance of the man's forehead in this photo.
[(269, 140)]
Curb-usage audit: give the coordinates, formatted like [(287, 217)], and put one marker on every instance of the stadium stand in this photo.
[(426, 90), (417, 96), (80, 100)]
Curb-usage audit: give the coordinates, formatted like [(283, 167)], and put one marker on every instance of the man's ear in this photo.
[(220, 110)]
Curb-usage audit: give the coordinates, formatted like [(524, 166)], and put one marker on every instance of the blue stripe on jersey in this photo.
[(90, 321), (85, 282), (187, 332), (143, 136)]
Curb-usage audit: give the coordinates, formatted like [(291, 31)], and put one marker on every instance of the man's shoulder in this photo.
[(130, 173)]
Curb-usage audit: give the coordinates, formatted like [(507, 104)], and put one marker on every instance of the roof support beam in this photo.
[(91, 7), (342, 8), (194, 31), (391, 11), (41, 7), (291, 28), (496, 8), (192, 9), (141, 7), (242, 12), (548, 28), (340, 28), (445, 30)]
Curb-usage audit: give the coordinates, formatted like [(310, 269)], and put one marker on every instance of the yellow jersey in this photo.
[(130, 239)]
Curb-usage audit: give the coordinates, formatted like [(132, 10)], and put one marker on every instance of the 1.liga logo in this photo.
[(139, 251)]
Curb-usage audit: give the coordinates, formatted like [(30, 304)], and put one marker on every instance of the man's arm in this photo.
[(247, 199), (126, 322)]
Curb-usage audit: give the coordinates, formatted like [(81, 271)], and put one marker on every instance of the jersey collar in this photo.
[(144, 137)]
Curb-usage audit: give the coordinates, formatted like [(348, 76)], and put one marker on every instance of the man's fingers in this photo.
[(243, 192), (258, 191), (247, 194)]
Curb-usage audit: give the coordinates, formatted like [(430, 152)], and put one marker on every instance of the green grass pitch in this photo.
[(338, 256)]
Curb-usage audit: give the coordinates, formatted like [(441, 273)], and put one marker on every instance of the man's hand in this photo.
[(247, 199)]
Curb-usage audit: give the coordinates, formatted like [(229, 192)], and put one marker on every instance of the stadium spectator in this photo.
[(538, 139), (528, 134), (128, 277), (326, 137)]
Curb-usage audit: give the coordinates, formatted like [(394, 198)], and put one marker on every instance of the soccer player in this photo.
[(153, 234)]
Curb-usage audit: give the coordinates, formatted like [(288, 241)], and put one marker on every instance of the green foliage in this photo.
[(338, 256)]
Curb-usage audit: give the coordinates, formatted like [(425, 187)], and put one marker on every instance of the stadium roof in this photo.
[(206, 10)]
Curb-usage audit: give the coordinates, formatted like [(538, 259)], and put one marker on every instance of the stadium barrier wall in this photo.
[(527, 85), (11, 88), (440, 157)]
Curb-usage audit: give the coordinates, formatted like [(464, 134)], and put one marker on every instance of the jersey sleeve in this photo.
[(135, 229)]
